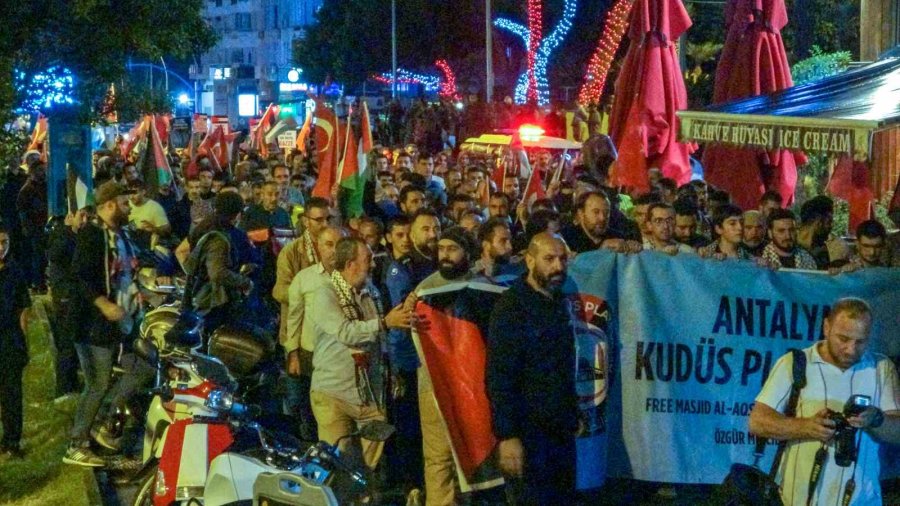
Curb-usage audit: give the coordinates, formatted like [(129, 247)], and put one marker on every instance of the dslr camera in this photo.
[(845, 449)]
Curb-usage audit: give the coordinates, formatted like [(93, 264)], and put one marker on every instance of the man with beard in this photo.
[(102, 265), (404, 274), (495, 264), (641, 214), (193, 208), (871, 242), (814, 233), (498, 206), (686, 214), (836, 368), (267, 213), (754, 233), (782, 250), (299, 341), (590, 229), (454, 258), (530, 378), (412, 198)]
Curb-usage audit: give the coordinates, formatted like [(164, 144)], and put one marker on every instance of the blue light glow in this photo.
[(44, 90)]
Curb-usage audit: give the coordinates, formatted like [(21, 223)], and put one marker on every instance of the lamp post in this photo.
[(393, 49), (488, 53)]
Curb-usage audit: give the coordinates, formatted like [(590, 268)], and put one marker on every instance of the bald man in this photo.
[(530, 377), (754, 232)]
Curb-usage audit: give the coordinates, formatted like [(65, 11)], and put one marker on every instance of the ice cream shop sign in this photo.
[(778, 132)]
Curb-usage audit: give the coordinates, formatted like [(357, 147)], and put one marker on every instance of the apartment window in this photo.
[(218, 3), (237, 56), (243, 22)]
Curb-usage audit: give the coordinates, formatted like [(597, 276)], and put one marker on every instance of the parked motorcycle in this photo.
[(187, 423), (279, 471)]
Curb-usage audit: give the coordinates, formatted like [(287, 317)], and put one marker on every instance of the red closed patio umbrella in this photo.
[(753, 62), (649, 90)]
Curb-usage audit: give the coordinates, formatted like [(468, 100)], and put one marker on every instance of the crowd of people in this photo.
[(340, 296)]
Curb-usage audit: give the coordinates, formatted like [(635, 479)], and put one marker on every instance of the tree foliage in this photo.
[(352, 38), (94, 39)]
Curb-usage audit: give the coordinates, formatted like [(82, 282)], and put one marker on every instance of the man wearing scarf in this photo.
[(349, 326)]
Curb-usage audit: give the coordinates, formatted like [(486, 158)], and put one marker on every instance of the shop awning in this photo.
[(834, 115)]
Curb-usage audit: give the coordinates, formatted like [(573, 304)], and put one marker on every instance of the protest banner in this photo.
[(694, 341)]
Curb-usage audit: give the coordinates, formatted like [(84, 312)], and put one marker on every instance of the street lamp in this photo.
[(393, 49), (488, 52), (183, 99)]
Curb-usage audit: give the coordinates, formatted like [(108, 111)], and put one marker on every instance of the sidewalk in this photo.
[(41, 478)]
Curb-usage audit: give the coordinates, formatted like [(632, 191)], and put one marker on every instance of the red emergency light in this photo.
[(530, 132)]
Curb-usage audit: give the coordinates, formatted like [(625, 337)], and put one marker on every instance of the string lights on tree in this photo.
[(598, 67), (46, 89), (448, 83), (535, 26), (544, 51)]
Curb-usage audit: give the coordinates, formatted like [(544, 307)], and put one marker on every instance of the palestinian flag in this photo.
[(452, 344), (354, 173)]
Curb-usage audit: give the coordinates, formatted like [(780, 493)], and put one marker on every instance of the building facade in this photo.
[(251, 64)]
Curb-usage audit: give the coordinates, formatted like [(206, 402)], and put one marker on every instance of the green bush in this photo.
[(820, 65)]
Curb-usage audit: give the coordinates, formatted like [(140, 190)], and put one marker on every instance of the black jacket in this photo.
[(15, 299), (530, 372), (89, 266)]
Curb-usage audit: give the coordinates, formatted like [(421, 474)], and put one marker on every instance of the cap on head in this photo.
[(110, 190)]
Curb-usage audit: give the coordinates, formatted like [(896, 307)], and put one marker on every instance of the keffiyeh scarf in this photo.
[(352, 311)]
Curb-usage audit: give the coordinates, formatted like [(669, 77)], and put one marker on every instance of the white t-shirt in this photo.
[(828, 386), (149, 211)]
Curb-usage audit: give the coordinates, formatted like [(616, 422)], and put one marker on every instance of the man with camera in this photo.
[(850, 403)]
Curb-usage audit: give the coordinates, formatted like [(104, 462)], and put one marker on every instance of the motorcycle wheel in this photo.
[(144, 495)]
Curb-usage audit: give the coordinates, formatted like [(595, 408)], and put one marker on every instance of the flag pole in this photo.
[(340, 170), (558, 174)]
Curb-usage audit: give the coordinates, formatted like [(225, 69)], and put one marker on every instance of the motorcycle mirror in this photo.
[(146, 350), (376, 431)]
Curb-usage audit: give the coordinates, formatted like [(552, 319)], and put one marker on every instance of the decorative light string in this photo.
[(45, 89), (535, 22), (598, 67), (545, 49), (448, 83), (431, 83)]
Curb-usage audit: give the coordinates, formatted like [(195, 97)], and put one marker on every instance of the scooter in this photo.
[(187, 425), (278, 471)]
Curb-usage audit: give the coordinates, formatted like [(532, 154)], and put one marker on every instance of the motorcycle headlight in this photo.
[(220, 400)]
